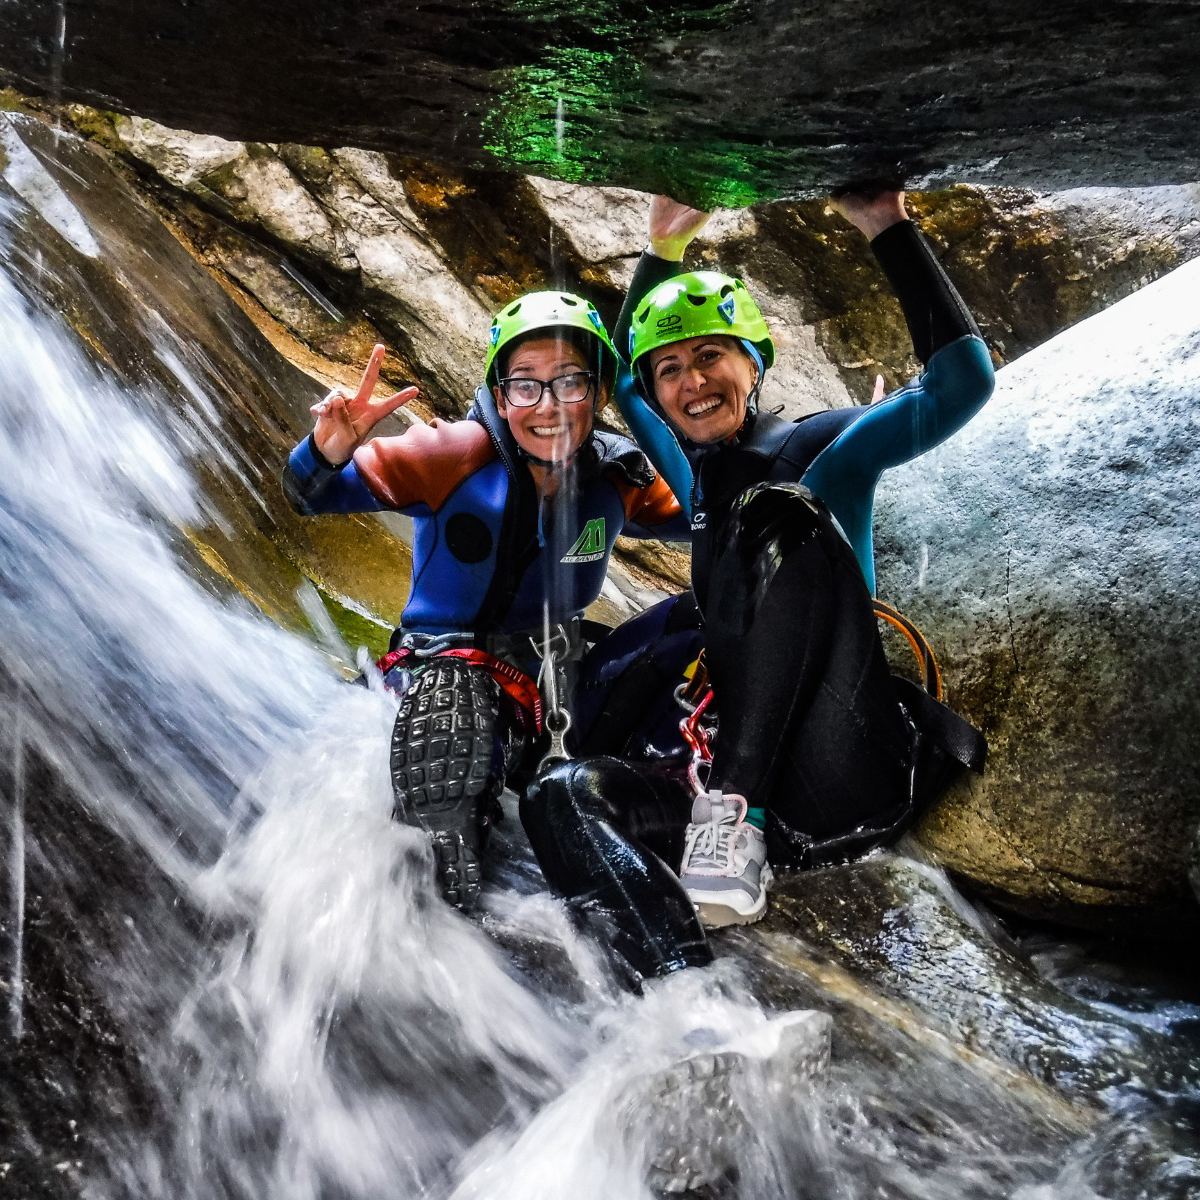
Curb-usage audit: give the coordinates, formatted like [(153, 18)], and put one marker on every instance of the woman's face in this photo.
[(550, 429), (702, 384)]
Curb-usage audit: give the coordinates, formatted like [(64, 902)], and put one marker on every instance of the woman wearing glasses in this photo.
[(517, 509)]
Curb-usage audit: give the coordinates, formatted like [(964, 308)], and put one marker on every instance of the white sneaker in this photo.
[(724, 869)]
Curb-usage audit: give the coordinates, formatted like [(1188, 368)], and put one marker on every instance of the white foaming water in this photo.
[(16, 867)]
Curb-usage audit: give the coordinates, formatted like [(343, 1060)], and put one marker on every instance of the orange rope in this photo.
[(926, 661)]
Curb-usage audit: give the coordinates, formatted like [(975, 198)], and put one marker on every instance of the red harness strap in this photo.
[(518, 686), (390, 659)]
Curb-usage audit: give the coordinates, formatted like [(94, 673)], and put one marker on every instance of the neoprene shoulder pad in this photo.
[(616, 450)]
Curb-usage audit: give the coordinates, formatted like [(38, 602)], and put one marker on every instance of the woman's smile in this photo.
[(703, 385)]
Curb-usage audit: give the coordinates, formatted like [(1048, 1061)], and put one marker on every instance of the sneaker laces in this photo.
[(710, 844)]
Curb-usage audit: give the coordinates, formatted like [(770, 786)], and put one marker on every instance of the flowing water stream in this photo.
[(269, 999)]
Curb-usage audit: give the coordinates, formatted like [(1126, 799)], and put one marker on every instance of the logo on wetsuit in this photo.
[(699, 521), (590, 545)]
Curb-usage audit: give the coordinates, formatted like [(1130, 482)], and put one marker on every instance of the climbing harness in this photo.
[(514, 682), (540, 704)]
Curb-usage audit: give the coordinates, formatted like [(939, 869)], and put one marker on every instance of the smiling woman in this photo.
[(542, 398), (517, 509), (703, 385), (820, 753)]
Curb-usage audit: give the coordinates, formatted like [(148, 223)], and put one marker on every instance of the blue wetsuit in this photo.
[(492, 559), (489, 555)]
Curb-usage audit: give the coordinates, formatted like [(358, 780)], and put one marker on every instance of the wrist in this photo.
[(327, 455), (668, 249), (872, 229)]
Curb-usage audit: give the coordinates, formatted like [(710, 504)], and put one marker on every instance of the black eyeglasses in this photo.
[(522, 392)]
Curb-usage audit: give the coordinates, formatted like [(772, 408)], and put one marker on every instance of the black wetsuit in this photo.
[(813, 727)]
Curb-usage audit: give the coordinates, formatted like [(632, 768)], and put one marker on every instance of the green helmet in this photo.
[(548, 310), (696, 304)]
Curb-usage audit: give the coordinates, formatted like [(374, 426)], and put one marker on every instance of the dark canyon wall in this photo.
[(726, 101)]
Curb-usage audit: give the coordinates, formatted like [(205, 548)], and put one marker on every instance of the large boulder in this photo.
[(1050, 549), (736, 102)]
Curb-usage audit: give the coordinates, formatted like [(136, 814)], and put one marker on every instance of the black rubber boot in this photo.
[(446, 772)]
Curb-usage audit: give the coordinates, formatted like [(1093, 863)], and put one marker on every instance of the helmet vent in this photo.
[(516, 308), (569, 300), (697, 300), (641, 317), (727, 290)]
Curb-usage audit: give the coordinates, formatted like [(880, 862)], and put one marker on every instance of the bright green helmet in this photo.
[(694, 305), (549, 311)]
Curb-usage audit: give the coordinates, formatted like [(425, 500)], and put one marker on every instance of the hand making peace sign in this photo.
[(344, 420)]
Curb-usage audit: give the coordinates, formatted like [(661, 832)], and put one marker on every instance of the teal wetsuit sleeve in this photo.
[(654, 436), (313, 485), (652, 433), (952, 389)]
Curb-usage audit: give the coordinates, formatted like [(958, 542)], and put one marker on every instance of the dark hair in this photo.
[(588, 344)]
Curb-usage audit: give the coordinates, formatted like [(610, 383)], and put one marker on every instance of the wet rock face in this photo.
[(900, 926), (1050, 550), (731, 102), (425, 255), (223, 398)]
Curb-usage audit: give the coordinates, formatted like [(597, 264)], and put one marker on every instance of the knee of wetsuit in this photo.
[(587, 786), (775, 517)]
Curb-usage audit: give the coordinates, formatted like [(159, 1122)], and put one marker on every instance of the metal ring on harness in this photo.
[(557, 720)]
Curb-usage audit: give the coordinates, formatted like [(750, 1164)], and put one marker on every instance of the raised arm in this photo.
[(345, 419), (320, 476), (957, 380), (933, 310), (672, 226)]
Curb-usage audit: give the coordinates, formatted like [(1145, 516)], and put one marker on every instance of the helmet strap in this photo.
[(752, 397), (752, 350)]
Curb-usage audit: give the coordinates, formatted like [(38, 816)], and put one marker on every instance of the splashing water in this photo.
[(58, 64), (303, 1017), (16, 977), (319, 1024)]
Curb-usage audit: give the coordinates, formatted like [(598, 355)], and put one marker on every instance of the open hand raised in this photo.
[(871, 211), (345, 419), (672, 227)]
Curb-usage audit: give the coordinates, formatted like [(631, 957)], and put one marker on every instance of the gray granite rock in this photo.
[(1050, 551)]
